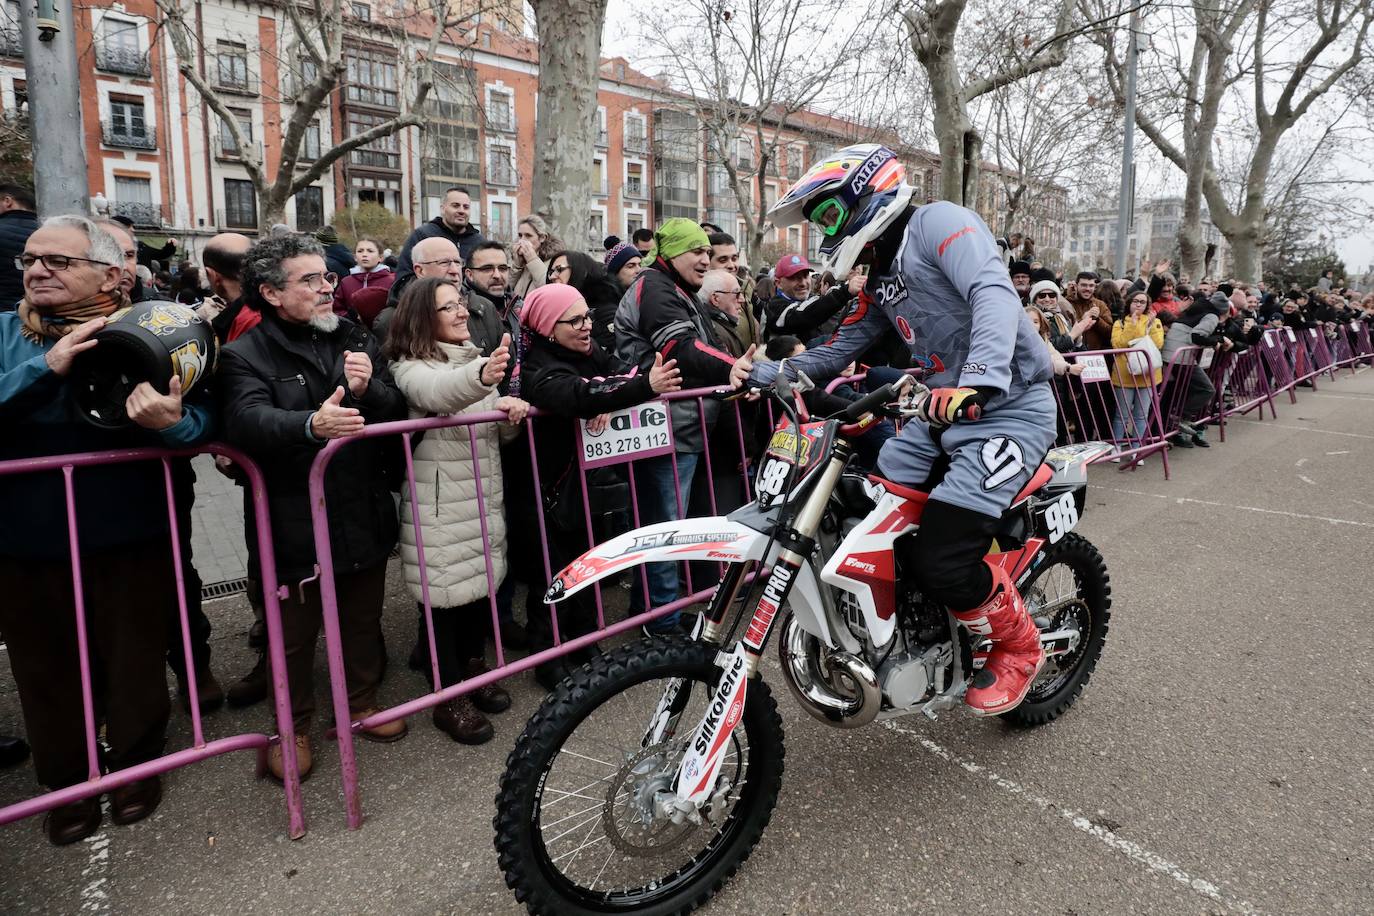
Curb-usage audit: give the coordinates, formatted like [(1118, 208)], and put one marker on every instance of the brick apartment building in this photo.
[(158, 154)]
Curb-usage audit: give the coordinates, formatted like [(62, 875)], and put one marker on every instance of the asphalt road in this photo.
[(1218, 763)]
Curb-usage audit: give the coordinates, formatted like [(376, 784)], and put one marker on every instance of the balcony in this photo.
[(634, 190), (501, 121), (234, 218), (226, 148), (11, 42), (122, 59), (502, 176), (235, 80), (126, 137), (144, 215), (636, 144), (603, 139)]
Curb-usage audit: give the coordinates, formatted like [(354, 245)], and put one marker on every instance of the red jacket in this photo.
[(380, 278)]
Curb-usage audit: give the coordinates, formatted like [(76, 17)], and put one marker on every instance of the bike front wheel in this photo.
[(580, 828)]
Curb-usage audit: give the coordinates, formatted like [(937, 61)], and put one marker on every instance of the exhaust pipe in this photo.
[(834, 687)]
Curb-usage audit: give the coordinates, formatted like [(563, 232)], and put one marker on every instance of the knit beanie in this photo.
[(619, 256), (545, 306), (1043, 286), (326, 235)]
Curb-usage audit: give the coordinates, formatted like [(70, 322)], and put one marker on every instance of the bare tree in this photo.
[(1002, 53), (751, 72), (565, 127), (313, 66), (1294, 53)]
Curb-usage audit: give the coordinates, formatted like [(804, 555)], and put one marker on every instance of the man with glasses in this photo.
[(487, 281), (304, 376), (71, 285)]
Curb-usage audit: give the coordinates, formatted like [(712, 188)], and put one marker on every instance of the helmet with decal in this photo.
[(851, 197)]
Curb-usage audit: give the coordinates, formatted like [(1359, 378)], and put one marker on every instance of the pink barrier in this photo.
[(1090, 408), (504, 668), (98, 783), (1277, 358)]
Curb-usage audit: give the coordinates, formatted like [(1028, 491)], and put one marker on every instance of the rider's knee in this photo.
[(946, 558)]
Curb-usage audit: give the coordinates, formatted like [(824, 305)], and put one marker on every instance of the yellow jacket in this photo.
[(1125, 330)]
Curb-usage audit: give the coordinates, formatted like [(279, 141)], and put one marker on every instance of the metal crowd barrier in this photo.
[(97, 782), (1089, 403), (403, 430)]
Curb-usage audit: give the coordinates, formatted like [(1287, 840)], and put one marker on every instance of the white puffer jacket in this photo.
[(455, 553)]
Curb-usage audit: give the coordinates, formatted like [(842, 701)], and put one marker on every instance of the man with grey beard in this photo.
[(304, 376)]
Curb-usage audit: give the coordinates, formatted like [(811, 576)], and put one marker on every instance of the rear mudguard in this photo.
[(717, 539)]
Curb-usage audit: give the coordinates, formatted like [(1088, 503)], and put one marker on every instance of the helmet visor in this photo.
[(830, 215)]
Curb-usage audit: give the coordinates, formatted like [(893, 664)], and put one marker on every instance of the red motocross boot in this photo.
[(1016, 656)]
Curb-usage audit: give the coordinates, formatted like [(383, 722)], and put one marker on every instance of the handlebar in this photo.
[(868, 403)]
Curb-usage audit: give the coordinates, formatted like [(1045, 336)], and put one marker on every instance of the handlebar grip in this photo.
[(869, 403)]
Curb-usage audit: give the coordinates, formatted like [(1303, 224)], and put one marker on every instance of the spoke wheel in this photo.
[(582, 826), (1071, 590)]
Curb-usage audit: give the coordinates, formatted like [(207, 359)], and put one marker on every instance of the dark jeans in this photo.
[(460, 634), (361, 595), (1198, 396), (130, 591)]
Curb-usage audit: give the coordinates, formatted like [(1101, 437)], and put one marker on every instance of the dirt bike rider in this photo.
[(935, 274)]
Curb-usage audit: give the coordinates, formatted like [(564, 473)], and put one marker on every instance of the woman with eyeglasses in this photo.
[(1133, 379), (584, 274), (535, 246), (441, 373), (567, 374)]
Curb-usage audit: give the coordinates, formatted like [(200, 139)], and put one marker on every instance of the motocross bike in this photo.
[(647, 776)]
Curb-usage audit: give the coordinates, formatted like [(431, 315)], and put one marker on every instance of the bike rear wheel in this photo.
[(577, 830)]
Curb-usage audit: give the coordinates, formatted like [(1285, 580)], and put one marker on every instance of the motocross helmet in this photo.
[(851, 197), (145, 342)]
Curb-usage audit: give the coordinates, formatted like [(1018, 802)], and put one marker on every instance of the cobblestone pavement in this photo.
[(1219, 762), (217, 525)]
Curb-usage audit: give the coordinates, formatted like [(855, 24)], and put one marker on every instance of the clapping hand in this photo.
[(333, 420), (358, 372), (664, 377), (495, 368)]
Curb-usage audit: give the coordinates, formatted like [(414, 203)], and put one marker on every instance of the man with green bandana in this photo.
[(660, 314)]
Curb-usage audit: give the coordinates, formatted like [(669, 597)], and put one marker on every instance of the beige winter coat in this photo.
[(455, 553)]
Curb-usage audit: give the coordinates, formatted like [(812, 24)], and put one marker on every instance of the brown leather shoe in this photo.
[(136, 800), (382, 734), (252, 687), (304, 759), (211, 693), (463, 722), (73, 822), (491, 698)]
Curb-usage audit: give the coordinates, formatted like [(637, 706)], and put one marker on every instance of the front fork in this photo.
[(706, 748)]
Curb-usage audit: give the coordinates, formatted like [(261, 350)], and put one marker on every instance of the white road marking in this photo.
[(96, 874), (1131, 850), (1341, 452), (1310, 429), (1344, 397), (1307, 480), (1300, 462), (1208, 502)]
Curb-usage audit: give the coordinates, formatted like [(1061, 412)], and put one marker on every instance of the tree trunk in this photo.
[(1246, 251), (569, 54)]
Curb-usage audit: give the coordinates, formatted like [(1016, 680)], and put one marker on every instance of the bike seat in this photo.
[(1041, 477)]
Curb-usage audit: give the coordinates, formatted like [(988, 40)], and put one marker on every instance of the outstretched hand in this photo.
[(739, 372), (664, 377), (495, 368), (334, 421)]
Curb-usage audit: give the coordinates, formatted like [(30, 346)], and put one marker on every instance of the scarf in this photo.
[(56, 323)]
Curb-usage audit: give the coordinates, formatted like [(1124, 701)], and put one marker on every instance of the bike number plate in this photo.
[(1058, 518), (771, 481)]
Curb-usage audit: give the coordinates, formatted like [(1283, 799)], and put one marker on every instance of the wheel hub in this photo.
[(630, 813)]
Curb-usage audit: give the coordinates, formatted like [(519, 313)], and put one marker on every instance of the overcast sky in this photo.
[(1154, 176)]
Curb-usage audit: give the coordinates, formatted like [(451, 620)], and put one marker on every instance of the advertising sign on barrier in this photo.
[(643, 431), (1204, 359), (1094, 368), (1292, 338)]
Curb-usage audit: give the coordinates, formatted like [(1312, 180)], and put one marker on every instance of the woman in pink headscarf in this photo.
[(567, 375)]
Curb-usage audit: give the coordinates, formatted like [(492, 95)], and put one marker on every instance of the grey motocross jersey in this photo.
[(949, 296)]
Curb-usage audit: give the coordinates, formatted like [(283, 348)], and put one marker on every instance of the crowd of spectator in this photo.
[(319, 341)]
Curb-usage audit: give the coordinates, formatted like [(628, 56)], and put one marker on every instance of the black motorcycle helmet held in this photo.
[(146, 342)]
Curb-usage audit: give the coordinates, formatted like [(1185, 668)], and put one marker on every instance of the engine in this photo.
[(918, 662)]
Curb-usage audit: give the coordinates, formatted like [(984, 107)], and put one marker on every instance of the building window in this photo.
[(452, 97), (596, 227), (502, 225), (599, 177), (118, 49), (240, 204), (310, 142), (361, 11), (309, 209), (634, 181), (500, 110), (636, 138), (794, 163), (371, 77), (633, 224), (228, 148), (451, 153), (128, 124), (500, 167), (603, 138), (232, 67), (744, 154), (133, 197), (382, 153), (794, 238)]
